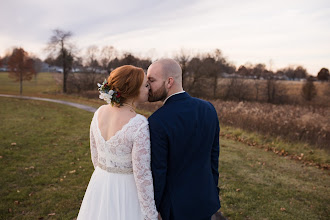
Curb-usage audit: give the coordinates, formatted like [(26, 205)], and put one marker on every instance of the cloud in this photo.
[(294, 31)]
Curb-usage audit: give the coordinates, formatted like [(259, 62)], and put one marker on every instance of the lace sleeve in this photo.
[(94, 153), (142, 172)]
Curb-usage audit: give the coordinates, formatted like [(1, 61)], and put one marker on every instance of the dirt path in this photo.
[(80, 106)]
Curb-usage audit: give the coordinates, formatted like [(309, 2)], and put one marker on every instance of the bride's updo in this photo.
[(126, 80)]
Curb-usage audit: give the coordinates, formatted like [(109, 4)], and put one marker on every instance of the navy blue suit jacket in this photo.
[(184, 136)]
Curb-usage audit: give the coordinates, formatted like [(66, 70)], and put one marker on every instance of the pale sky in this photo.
[(287, 32)]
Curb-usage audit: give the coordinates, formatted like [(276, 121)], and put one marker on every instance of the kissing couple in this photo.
[(164, 167)]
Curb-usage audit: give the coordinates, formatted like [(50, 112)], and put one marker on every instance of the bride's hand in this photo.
[(159, 217)]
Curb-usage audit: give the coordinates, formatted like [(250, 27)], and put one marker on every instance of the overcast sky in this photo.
[(275, 32)]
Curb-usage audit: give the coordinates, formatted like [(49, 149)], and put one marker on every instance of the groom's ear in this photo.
[(170, 82)]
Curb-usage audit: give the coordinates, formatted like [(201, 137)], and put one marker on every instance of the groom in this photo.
[(184, 136)]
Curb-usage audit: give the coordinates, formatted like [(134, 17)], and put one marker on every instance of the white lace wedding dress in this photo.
[(121, 187)]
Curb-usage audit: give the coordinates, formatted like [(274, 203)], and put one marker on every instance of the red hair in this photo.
[(126, 80)]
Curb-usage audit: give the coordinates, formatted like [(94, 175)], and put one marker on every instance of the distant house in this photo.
[(3, 69), (55, 69)]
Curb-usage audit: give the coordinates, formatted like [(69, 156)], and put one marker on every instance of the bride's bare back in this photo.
[(111, 119)]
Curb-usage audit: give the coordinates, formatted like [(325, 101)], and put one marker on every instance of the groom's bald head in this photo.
[(168, 68)]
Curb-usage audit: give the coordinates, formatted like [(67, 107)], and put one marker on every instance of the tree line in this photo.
[(202, 73)]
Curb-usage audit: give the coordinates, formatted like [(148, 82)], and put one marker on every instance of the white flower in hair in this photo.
[(109, 95)]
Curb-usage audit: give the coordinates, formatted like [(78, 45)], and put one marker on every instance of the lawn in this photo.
[(45, 168), (42, 84), (45, 159), (45, 86)]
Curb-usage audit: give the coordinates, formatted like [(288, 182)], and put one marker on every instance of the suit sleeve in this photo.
[(215, 154), (159, 152)]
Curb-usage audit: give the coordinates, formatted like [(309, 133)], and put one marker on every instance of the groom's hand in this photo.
[(159, 217)]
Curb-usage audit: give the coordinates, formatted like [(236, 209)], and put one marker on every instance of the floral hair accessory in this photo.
[(109, 95)]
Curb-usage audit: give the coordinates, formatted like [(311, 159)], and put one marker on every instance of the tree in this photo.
[(258, 70), (243, 71), (308, 90), (21, 67), (113, 64), (194, 69), (219, 66), (212, 69), (257, 86), (129, 59), (275, 92), (144, 64), (323, 75), (107, 54), (300, 73), (237, 89), (288, 72), (271, 90), (183, 59), (91, 60), (59, 44)]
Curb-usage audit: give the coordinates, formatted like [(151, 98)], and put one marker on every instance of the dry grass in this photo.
[(296, 123), (288, 92)]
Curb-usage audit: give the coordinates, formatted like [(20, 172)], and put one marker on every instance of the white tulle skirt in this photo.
[(110, 196)]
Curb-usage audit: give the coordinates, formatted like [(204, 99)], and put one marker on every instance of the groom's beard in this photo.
[(158, 95)]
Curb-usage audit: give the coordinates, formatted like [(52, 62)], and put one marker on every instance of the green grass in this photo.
[(256, 184), (45, 86), (42, 84), (53, 139), (306, 152)]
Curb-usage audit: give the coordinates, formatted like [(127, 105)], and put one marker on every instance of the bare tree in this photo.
[(107, 54), (183, 58), (308, 90), (194, 69), (300, 73), (92, 64), (237, 89), (271, 90), (21, 67), (275, 92), (91, 58), (257, 85), (212, 69), (59, 44)]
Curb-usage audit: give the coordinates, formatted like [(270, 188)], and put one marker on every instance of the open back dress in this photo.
[(121, 186)]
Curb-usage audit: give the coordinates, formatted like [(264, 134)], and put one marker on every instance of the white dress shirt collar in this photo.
[(172, 95)]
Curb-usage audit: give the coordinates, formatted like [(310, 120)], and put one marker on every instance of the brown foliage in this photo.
[(308, 91), (302, 123), (323, 74), (21, 66), (83, 83), (296, 123)]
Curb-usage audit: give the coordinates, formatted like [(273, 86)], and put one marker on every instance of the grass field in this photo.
[(41, 143), (290, 89), (45, 168), (45, 162), (43, 86)]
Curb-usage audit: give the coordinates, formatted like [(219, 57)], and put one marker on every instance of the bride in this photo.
[(121, 186)]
